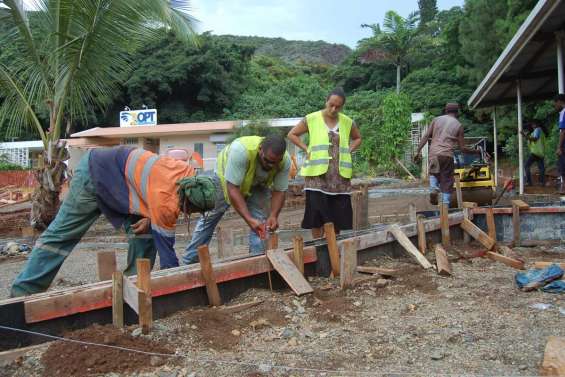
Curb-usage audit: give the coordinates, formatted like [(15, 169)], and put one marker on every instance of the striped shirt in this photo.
[(135, 181)]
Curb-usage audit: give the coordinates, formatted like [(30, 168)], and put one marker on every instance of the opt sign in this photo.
[(146, 117)]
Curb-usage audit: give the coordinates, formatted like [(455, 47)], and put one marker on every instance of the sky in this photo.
[(334, 21)]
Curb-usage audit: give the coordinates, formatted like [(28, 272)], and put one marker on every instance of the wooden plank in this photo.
[(444, 222), (508, 252), (540, 264), (520, 204), (131, 296), (477, 234), (273, 241), (143, 274), (118, 299), (298, 253), (220, 238), (443, 265), (490, 223), (68, 301), (412, 214), (208, 275), (106, 264), (145, 311), (408, 246), (466, 237), (288, 271), (470, 205), (553, 363), (332, 248), (348, 263), (356, 199), (377, 270), (421, 234), (458, 192), (514, 263), (516, 225)]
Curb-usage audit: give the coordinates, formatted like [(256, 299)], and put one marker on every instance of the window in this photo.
[(199, 148), (219, 147)]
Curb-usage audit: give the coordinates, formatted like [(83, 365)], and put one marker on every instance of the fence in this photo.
[(18, 178)]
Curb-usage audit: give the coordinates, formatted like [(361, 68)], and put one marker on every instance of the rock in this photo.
[(323, 335), (12, 248), (257, 324), (287, 333), (165, 373), (265, 368), (357, 303), (159, 327), (194, 327), (300, 310), (293, 342), (136, 332), (24, 248), (156, 361), (236, 332), (381, 283), (523, 367), (437, 355)]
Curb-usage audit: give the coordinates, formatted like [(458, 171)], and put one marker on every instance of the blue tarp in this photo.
[(537, 278), (556, 286)]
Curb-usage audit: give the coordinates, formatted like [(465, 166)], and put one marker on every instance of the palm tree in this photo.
[(62, 59), (395, 39)]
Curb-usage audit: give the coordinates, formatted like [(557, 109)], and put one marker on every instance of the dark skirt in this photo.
[(323, 208)]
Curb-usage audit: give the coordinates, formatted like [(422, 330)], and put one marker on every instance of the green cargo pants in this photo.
[(78, 212)]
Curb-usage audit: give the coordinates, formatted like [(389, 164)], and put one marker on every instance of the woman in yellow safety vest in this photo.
[(328, 167)]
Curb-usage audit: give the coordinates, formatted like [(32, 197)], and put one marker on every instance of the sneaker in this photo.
[(434, 195)]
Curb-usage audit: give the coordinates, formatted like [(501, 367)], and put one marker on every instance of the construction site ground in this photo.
[(417, 323)]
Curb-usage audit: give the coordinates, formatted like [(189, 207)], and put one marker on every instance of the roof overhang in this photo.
[(159, 130), (529, 57)]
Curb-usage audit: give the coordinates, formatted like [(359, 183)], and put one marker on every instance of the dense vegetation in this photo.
[(432, 56)]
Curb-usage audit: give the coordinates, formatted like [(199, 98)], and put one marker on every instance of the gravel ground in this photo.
[(418, 323)]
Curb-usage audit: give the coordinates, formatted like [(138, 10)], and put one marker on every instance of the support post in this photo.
[(144, 294), (220, 239), (272, 244), (458, 191), (332, 247), (348, 263), (208, 276), (466, 236), (118, 299), (515, 225), (412, 212), (520, 138), (421, 228), (560, 78), (495, 141), (490, 223), (444, 222), (298, 253), (106, 264)]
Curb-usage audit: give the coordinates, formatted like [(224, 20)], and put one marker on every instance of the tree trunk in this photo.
[(50, 177), (398, 79)]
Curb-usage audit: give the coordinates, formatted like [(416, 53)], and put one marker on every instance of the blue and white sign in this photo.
[(147, 117)]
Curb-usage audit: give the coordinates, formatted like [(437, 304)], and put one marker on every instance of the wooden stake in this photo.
[(514, 263), (144, 294), (443, 265), (118, 299), (421, 234), (220, 238), (208, 276), (554, 357), (377, 270), (348, 263), (515, 224), (478, 234), (489, 214), (332, 247), (547, 264), (444, 221), (298, 253), (356, 197), (106, 264), (272, 244), (458, 191), (288, 271), (408, 246), (466, 237)]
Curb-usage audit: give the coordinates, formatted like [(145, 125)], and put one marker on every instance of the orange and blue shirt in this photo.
[(139, 182)]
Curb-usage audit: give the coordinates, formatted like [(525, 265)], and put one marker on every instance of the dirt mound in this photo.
[(330, 306), (221, 330), (73, 359)]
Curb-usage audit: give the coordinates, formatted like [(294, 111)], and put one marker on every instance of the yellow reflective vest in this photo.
[(251, 144), (319, 146)]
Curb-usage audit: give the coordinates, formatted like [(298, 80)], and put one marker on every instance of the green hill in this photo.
[(316, 52)]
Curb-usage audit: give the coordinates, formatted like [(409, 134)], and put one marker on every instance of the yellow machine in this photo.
[(475, 174)]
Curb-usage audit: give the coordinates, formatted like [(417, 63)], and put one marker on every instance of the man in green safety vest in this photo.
[(248, 171), (535, 136)]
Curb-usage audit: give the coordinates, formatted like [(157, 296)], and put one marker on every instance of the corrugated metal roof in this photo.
[(32, 144), (159, 130), (530, 56)]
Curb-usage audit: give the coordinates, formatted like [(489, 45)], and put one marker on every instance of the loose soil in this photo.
[(64, 359)]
